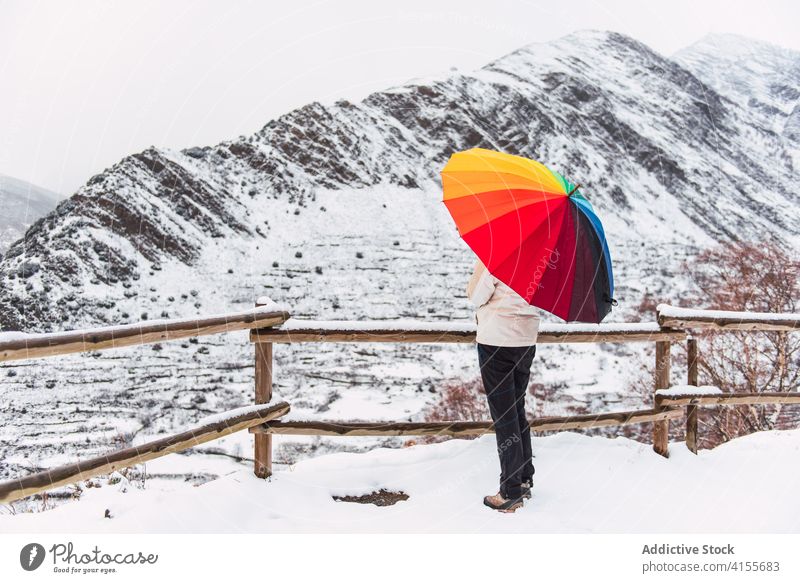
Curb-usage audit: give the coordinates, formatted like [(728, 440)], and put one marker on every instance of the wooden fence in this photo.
[(18, 346), (269, 326), (689, 319)]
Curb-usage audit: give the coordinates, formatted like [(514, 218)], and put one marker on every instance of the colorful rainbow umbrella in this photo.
[(533, 230)]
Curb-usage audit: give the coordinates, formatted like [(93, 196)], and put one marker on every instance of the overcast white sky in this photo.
[(84, 83)]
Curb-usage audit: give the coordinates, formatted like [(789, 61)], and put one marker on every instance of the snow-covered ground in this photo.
[(582, 484)]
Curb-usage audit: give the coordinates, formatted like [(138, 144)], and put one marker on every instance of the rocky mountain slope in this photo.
[(334, 210), (21, 203)]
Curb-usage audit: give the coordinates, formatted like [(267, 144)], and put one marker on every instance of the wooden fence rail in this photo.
[(116, 460), (462, 428), (730, 399), (19, 346), (415, 331)]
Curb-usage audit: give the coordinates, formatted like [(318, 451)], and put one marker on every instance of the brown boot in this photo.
[(497, 502)]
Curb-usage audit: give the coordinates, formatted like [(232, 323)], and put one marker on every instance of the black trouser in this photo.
[(505, 372)]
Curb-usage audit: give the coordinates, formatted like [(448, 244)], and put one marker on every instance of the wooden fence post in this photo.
[(661, 428), (691, 410), (263, 383)]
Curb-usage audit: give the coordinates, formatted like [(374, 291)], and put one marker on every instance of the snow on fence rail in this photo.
[(295, 330), (675, 317), (19, 345)]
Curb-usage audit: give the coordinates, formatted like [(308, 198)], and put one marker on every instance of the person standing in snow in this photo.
[(506, 339)]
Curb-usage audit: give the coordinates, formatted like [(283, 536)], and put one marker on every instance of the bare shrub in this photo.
[(462, 401), (745, 276), (458, 401), (647, 306), (466, 401)]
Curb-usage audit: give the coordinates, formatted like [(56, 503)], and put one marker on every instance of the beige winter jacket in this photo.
[(504, 317)]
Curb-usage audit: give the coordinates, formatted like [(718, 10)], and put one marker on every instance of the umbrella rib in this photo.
[(569, 270)]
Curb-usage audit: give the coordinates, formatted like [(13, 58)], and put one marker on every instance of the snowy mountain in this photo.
[(21, 204), (763, 78), (654, 145), (335, 210)]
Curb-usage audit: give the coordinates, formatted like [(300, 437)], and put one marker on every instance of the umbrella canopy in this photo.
[(533, 230)]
